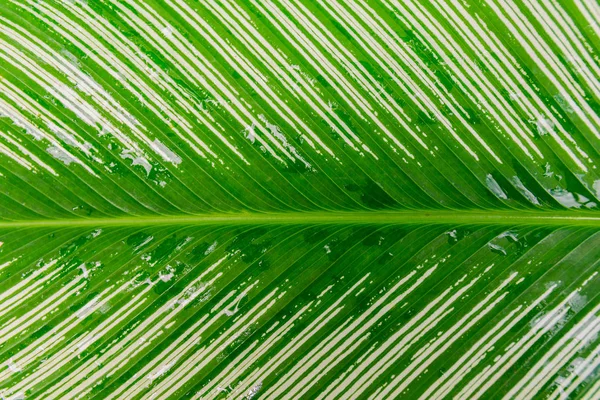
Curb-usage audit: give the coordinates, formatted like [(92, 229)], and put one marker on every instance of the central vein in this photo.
[(557, 218)]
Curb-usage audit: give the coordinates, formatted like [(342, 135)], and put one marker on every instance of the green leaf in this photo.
[(299, 199)]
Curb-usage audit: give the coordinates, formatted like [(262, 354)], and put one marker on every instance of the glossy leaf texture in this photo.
[(328, 199), (300, 312), (117, 108)]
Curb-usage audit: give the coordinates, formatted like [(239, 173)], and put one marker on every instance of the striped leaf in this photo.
[(299, 199)]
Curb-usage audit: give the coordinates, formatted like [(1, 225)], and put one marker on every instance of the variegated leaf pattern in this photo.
[(300, 312), (115, 108), (299, 199)]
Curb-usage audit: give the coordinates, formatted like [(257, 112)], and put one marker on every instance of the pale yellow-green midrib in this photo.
[(555, 218)]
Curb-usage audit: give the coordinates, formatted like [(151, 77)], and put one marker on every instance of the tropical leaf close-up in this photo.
[(299, 199)]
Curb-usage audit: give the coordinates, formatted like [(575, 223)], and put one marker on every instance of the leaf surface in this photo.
[(299, 199)]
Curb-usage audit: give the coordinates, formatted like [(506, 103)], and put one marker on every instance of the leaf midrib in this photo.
[(437, 217)]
